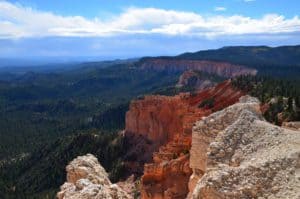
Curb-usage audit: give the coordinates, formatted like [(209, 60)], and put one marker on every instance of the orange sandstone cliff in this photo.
[(165, 125)]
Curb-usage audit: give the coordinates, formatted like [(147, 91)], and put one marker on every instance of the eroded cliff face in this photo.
[(166, 122), (236, 154), (159, 118), (87, 179), (220, 68), (162, 121)]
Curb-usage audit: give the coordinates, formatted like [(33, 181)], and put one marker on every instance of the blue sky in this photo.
[(124, 29), (94, 8)]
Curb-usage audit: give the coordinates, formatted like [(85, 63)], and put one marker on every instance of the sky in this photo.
[(110, 29)]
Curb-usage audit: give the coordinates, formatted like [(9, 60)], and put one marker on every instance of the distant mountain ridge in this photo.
[(223, 69), (283, 61), (246, 55)]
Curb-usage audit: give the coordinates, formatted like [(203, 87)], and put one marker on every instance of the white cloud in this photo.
[(247, 1), (220, 9), (18, 21)]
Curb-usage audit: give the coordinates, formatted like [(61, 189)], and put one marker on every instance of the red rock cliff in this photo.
[(166, 122)]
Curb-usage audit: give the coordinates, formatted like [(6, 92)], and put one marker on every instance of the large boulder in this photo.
[(237, 154)]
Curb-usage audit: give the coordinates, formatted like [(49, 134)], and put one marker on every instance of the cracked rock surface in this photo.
[(237, 154)]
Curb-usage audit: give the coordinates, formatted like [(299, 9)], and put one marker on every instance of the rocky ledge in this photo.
[(87, 179), (237, 154)]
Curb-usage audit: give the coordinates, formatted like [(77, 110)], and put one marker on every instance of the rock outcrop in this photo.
[(219, 68), (159, 118), (166, 122), (237, 154), (193, 80), (87, 179)]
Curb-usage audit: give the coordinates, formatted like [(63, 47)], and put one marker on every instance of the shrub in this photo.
[(207, 103)]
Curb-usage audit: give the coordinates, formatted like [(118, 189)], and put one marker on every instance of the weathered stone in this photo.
[(87, 179), (260, 163)]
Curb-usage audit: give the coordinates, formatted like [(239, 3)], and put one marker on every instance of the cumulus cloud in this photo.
[(18, 21), (220, 9)]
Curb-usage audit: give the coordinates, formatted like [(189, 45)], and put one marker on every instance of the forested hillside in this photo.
[(47, 119), (280, 96), (37, 107), (283, 55)]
